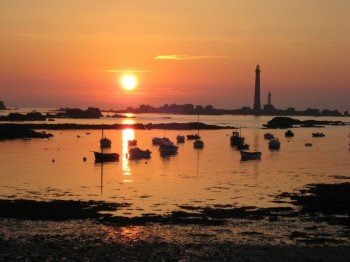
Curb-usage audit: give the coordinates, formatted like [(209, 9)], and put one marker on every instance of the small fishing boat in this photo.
[(308, 144), (198, 144), (137, 153), (105, 142), (159, 140), (193, 137), (289, 133), (180, 139), (245, 155), (168, 148), (132, 142), (106, 157), (274, 143), (238, 141), (268, 136), (318, 134)]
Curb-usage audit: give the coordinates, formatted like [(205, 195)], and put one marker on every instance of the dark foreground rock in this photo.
[(8, 132), (167, 126), (324, 202), (288, 122)]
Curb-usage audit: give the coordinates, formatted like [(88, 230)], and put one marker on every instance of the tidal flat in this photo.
[(311, 229)]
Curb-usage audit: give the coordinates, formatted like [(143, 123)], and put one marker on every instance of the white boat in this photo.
[(274, 143), (198, 144), (245, 155)]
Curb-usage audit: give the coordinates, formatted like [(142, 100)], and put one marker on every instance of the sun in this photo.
[(128, 82)]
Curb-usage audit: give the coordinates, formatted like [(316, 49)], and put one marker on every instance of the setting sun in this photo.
[(128, 82)]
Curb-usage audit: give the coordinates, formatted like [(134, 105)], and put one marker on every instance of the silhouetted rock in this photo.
[(282, 122), (287, 122), (33, 116), (2, 106), (8, 132), (91, 112)]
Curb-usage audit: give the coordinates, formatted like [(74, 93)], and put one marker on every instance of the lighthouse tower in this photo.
[(257, 105)]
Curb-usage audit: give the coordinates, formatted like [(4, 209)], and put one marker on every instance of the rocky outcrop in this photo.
[(33, 116), (2, 106), (20, 132), (288, 122)]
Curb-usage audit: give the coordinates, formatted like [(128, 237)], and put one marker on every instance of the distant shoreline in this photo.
[(137, 126)]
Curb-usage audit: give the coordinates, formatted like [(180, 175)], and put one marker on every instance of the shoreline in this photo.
[(137, 126)]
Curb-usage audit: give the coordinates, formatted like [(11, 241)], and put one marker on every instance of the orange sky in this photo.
[(71, 52)]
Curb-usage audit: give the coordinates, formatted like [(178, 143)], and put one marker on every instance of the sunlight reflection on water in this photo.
[(127, 134)]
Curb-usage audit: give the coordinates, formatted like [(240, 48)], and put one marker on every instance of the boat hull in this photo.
[(106, 157), (250, 155)]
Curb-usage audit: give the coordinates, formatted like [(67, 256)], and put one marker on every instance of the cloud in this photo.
[(186, 57)]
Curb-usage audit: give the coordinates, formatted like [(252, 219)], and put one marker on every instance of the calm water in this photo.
[(213, 175)]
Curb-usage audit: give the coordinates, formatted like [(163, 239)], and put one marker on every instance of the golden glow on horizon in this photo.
[(128, 82)]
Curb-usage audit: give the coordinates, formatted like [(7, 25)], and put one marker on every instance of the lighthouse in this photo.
[(257, 105)]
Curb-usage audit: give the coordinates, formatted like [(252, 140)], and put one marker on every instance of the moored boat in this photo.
[(168, 148), (308, 144), (106, 157), (105, 142), (132, 142), (289, 133), (268, 136), (137, 153), (238, 141), (193, 137), (198, 144), (274, 143), (318, 134), (245, 155), (180, 139), (159, 140)]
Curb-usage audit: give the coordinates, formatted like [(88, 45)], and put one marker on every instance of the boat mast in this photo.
[(198, 124)]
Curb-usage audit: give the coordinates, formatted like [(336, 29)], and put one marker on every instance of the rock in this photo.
[(288, 122), (33, 116), (9, 132), (2, 106), (91, 112)]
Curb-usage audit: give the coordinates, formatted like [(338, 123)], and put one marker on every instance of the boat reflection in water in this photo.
[(127, 134)]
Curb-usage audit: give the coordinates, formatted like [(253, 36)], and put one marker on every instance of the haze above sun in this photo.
[(128, 82)]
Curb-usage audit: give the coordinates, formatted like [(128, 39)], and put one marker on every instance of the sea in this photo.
[(50, 169)]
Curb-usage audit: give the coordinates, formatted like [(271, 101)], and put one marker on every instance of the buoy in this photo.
[(84, 159), (53, 160)]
